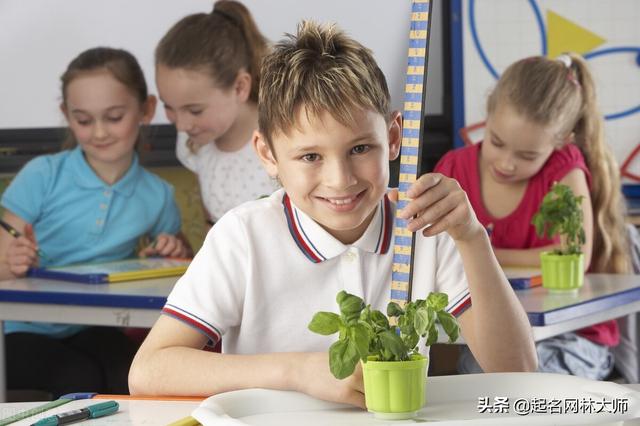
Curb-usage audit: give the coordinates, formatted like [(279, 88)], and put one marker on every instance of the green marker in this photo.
[(90, 412)]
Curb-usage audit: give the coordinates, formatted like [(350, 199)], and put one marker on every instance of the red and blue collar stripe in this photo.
[(311, 250)]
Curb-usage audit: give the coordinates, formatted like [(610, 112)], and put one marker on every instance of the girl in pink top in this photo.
[(543, 126)]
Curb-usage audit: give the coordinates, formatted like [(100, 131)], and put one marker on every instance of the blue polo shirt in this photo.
[(79, 218)]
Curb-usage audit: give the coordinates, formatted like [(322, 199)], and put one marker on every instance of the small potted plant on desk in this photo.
[(394, 371), (560, 214)]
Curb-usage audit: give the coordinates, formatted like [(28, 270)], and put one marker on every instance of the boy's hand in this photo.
[(438, 201), (314, 378), (167, 246), (22, 253)]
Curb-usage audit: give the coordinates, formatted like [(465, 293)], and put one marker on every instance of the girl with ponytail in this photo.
[(208, 73), (543, 126)]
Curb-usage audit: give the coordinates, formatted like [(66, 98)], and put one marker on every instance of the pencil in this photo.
[(15, 234), (187, 421)]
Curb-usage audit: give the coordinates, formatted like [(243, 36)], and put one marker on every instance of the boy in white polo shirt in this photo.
[(327, 134)]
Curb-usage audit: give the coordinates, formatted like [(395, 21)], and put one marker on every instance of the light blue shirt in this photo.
[(78, 218)]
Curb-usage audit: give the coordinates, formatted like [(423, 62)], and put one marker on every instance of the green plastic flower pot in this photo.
[(562, 272), (395, 390)]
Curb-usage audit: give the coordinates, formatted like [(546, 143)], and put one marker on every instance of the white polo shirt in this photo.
[(266, 268)]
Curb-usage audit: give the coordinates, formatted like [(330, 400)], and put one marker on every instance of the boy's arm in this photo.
[(495, 327), (171, 362)]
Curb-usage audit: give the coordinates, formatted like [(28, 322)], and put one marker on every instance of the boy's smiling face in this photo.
[(334, 173)]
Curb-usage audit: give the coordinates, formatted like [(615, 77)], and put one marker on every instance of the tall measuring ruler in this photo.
[(411, 149)]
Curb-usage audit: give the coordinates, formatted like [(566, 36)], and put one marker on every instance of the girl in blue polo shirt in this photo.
[(89, 203)]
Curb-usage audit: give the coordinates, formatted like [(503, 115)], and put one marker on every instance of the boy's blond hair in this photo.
[(321, 69)]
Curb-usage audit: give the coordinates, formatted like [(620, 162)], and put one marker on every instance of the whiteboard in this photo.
[(38, 38), (491, 41)]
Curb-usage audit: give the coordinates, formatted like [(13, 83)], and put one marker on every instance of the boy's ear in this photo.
[(265, 154), (149, 109), (395, 135), (242, 85)]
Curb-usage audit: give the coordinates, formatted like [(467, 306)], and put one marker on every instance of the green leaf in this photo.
[(405, 323), (394, 344), (350, 305), (365, 315), (343, 357), (361, 337), (394, 310), (379, 320), (421, 321), (325, 323), (450, 325), (438, 301), (433, 336), (411, 340)]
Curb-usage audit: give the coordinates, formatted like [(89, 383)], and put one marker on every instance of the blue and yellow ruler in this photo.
[(410, 151)]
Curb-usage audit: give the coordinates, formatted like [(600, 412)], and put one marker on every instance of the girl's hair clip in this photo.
[(565, 59), (571, 74)]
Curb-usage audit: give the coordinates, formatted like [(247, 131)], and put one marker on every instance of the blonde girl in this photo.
[(543, 126)]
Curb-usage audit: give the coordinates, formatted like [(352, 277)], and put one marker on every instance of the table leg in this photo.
[(3, 381)]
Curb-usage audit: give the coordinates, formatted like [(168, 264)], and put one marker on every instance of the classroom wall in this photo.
[(38, 38), (606, 33)]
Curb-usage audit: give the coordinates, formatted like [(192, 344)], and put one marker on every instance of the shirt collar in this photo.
[(85, 177), (318, 245)]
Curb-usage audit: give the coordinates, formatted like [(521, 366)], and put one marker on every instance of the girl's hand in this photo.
[(438, 203), (314, 378), (167, 246), (22, 253)]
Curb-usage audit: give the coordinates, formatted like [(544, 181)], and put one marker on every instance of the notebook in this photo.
[(521, 277), (113, 272)]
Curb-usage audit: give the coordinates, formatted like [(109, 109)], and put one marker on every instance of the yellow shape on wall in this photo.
[(566, 36)]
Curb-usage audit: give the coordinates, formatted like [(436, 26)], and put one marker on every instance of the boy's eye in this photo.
[(360, 149), (195, 111), (310, 158), (496, 143), (115, 119), (83, 122)]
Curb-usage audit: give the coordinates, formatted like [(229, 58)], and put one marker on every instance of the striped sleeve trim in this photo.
[(460, 304), (193, 321)]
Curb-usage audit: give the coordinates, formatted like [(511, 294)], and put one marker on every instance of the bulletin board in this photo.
[(488, 35)]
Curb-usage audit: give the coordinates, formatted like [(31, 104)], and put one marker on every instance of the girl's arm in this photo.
[(577, 181), (17, 255), (522, 257), (171, 361)]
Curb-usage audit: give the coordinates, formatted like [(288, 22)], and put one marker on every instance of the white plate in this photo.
[(450, 400)]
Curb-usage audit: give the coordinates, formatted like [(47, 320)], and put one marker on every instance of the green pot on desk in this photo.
[(562, 272), (395, 390)]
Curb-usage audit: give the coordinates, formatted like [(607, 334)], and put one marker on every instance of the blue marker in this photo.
[(90, 412)]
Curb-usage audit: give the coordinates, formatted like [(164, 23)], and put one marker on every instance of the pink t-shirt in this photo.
[(515, 230)]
